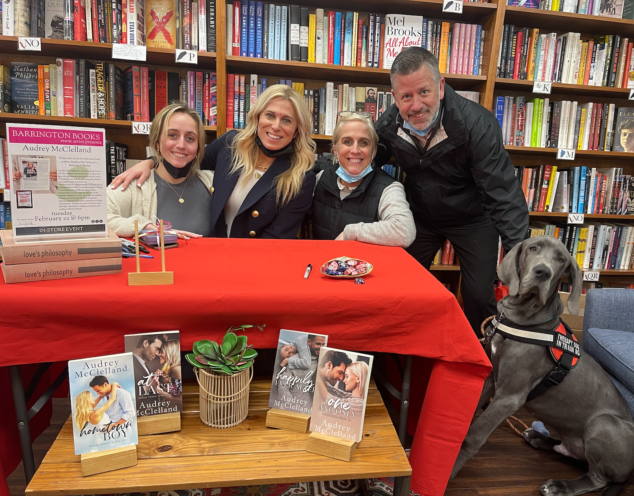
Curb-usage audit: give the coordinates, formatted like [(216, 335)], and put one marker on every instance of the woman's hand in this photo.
[(189, 235), (115, 388), (54, 176), (284, 362), (140, 172), (339, 238), (17, 175)]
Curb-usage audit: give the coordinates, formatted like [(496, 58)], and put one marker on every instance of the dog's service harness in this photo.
[(562, 343)]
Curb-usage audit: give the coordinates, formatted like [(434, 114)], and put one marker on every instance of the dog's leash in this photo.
[(488, 335)]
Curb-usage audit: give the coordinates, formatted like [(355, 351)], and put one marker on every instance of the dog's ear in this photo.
[(575, 279), (509, 269)]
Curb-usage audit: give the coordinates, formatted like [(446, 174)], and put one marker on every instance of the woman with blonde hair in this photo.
[(178, 191), (354, 200), (355, 379), (85, 410), (263, 179), (170, 375)]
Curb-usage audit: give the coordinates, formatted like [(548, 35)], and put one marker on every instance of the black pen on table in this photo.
[(308, 269)]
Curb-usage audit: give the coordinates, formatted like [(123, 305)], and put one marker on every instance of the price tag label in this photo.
[(631, 97), (575, 218), (542, 87), (136, 53), (186, 56), (31, 44), (141, 127), (565, 154), (452, 6), (591, 275)]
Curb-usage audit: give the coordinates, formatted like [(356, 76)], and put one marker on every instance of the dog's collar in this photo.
[(542, 334)]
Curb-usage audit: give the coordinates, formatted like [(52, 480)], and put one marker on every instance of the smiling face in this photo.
[(150, 350), (288, 351), (354, 150), (316, 344), (418, 96), (335, 374), (627, 139), (277, 124), (179, 144)]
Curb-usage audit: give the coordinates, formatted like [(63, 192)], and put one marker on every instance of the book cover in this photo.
[(24, 88), (370, 101), (294, 32), (158, 378), (236, 27), (295, 370), (160, 24), (54, 19), (259, 29), (624, 130), (303, 34), (103, 403), (341, 393), (337, 40), (252, 30), (22, 24), (283, 33), (244, 28), (319, 36), (347, 39), (401, 31)]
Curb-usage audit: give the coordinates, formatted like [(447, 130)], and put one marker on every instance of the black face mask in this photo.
[(175, 172), (273, 153)]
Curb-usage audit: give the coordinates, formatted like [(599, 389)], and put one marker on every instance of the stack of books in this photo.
[(619, 9)]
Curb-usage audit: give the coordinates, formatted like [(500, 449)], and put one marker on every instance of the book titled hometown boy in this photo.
[(157, 372), (103, 403), (294, 372), (341, 394)]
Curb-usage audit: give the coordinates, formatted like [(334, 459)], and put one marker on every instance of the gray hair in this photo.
[(412, 59)]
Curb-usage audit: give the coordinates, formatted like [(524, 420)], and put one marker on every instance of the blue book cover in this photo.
[(476, 55), (499, 111), (347, 49), (271, 28), (530, 4), (575, 191), (2, 215), (251, 45), (244, 28), (582, 189), (7, 216), (425, 33), (337, 47), (278, 31), (597, 192), (24, 88), (263, 83), (284, 30), (259, 19)]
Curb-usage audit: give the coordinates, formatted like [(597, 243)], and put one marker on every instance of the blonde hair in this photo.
[(336, 134), (83, 408), (159, 128), (172, 356), (245, 150), (362, 371)]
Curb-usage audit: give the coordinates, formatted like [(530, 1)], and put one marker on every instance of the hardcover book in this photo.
[(295, 369), (160, 25), (24, 88), (341, 393), (103, 403), (54, 19), (157, 372), (624, 130), (401, 31)]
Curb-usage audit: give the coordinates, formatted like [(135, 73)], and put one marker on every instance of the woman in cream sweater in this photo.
[(177, 190)]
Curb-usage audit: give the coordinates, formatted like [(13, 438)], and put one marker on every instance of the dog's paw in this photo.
[(555, 488), (538, 440)]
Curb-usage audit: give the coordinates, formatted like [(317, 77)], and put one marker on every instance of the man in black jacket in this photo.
[(459, 180)]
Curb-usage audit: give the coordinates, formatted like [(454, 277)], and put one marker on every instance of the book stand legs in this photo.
[(330, 446), (158, 424), (290, 421), (139, 278), (107, 461)]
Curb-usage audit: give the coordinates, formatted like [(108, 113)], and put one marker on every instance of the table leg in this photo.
[(405, 390), (22, 416), (401, 486)]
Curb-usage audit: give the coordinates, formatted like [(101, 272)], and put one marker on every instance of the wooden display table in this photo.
[(248, 454)]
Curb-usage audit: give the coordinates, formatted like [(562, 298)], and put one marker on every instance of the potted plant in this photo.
[(224, 372)]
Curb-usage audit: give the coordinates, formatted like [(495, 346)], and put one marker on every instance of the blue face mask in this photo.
[(349, 178), (418, 132)]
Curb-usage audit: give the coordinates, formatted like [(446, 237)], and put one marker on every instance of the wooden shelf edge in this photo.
[(579, 153), (569, 16), (586, 216), (445, 267), (576, 88)]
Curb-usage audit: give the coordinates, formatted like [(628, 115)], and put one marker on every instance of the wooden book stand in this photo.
[(139, 278)]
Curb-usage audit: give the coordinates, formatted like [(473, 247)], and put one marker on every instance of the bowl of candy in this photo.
[(346, 267)]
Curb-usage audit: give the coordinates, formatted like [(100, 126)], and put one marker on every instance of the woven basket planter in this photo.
[(224, 399)]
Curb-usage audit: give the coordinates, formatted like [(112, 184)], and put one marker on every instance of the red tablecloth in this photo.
[(402, 309)]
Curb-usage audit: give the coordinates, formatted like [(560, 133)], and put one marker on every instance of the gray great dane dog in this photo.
[(586, 409)]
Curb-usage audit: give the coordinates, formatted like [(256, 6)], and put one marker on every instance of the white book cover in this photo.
[(590, 200), (563, 124), (401, 31), (576, 63), (319, 36), (103, 402), (571, 127), (540, 58), (352, 95), (88, 6), (544, 136), (607, 245), (131, 22), (93, 93), (335, 107), (8, 17), (325, 37), (566, 56), (586, 129), (598, 252), (551, 56), (202, 26), (630, 246), (599, 66), (528, 124), (345, 106), (610, 127), (330, 87), (229, 29)]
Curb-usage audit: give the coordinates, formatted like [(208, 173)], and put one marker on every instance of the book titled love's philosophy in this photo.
[(157, 372), (103, 402), (341, 393), (294, 372)]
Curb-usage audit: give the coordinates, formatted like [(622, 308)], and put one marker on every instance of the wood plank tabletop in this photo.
[(248, 454)]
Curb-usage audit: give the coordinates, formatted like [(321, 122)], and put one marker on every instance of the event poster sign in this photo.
[(103, 403), (294, 372), (58, 181), (341, 394), (157, 372)]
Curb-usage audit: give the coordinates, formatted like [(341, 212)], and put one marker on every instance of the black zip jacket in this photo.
[(467, 179)]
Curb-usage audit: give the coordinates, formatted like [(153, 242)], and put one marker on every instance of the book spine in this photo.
[(237, 31), (377, 40), (319, 38), (244, 28), (347, 39), (370, 47), (252, 30), (312, 30), (259, 28), (69, 88), (284, 30)]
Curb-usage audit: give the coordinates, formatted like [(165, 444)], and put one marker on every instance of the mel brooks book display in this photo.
[(157, 372), (294, 372), (103, 403), (341, 394)]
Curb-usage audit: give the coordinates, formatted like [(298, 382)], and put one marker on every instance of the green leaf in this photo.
[(202, 359), (240, 345), (244, 366), (228, 343), (249, 354), (217, 351), (226, 370), (191, 358), (205, 348)]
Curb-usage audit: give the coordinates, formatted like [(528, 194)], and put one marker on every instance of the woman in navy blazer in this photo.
[(263, 180)]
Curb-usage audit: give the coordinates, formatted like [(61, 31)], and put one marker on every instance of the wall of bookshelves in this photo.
[(491, 16)]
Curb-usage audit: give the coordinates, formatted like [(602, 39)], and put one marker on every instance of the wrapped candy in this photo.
[(359, 280)]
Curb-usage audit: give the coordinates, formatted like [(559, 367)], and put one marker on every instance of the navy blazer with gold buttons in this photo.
[(259, 216)]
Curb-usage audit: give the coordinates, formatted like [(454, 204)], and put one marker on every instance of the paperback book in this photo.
[(341, 394), (157, 372), (295, 369), (624, 128), (103, 403)]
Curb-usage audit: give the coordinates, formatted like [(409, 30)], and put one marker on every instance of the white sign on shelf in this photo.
[(141, 127), (591, 275), (542, 87), (137, 53), (565, 154), (452, 6), (31, 44), (575, 218), (631, 96), (186, 56)]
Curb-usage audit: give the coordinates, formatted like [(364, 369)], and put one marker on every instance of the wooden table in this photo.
[(248, 454)]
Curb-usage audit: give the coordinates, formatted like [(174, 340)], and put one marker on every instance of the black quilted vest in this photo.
[(331, 214)]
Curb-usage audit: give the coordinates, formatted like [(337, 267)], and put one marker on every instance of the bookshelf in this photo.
[(492, 16)]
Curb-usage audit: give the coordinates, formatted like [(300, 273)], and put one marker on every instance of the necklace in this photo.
[(262, 170), (180, 197)]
